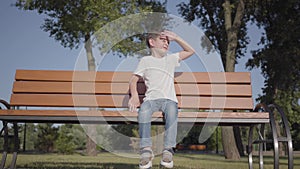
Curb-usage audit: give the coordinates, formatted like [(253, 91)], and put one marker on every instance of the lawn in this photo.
[(112, 161)]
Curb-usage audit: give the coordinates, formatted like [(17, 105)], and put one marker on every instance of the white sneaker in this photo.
[(167, 158), (146, 159)]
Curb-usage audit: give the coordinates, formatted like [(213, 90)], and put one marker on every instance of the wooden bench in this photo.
[(204, 98)]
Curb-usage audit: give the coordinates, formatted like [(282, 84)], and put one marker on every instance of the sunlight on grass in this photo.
[(111, 161)]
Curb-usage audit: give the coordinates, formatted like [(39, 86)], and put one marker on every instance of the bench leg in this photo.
[(260, 141), (276, 139), (250, 148), (16, 146), (3, 160), (261, 145), (259, 129), (5, 145), (5, 130), (287, 139)]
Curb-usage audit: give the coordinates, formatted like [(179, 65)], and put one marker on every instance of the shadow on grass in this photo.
[(81, 165), (268, 160), (184, 162)]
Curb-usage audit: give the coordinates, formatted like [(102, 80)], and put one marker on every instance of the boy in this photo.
[(157, 70)]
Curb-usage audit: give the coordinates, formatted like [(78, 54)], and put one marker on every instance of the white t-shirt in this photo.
[(158, 75)]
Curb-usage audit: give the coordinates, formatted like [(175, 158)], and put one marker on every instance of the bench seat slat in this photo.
[(212, 117), (121, 101), (125, 113), (122, 88)]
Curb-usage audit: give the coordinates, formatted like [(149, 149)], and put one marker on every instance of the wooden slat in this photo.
[(90, 76), (125, 117), (71, 87), (241, 90), (72, 76), (213, 77), (227, 103), (101, 113), (122, 88), (63, 100)]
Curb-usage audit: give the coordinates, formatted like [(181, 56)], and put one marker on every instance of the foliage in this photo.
[(295, 130), (192, 136), (119, 141), (79, 136), (126, 36), (105, 137), (210, 15), (65, 141), (215, 143), (72, 22), (279, 58), (47, 134), (31, 136), (193, 133)]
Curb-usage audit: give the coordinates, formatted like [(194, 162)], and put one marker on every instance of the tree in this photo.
[(65, 141), (224, 23), (28, 135), (279, 56), (79, 136), (73, 22), (47, 134)]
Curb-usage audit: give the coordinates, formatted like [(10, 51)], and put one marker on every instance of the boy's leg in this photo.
[(167, 158), (171, 119), (144, 118), (146, 157), (170, 110)]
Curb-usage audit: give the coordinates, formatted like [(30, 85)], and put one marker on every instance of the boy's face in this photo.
[(160, 43)]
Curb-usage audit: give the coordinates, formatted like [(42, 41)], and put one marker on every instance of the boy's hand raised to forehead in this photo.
[(187, 49), (170, 35)]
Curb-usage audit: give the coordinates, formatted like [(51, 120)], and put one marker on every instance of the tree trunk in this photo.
[(89, 53), (238, 140), (228, 142), (91, 147), (232, 29)]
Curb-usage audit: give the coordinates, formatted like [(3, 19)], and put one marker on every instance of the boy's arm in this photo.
[(187, 49), (134, 100)]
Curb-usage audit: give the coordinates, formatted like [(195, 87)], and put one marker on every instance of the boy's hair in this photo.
[(152, 35)]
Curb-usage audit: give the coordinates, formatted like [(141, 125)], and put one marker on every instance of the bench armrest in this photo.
[(5, 103)]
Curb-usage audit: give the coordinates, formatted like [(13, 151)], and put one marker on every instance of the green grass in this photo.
[(111, 161)]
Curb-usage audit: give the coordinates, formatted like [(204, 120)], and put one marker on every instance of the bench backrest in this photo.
[(195, 90)]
